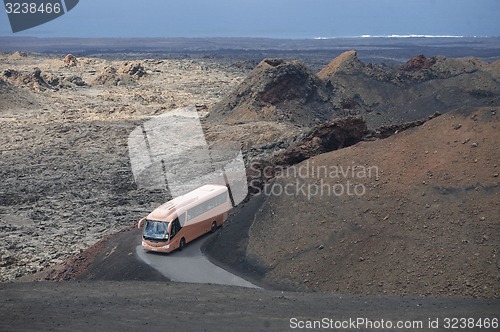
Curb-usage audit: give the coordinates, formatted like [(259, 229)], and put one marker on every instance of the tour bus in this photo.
[(185, 218)]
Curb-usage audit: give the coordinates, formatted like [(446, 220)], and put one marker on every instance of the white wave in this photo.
[(392, 36)]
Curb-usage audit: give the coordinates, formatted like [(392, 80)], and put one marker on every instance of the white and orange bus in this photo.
[(179, 221)]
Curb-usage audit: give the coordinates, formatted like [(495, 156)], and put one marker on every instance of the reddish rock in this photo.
[(418, 62), (346, 62)]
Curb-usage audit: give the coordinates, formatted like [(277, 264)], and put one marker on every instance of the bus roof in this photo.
[(170, 210)]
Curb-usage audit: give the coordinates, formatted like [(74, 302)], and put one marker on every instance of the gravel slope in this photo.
[(132, 306), (425, 221)]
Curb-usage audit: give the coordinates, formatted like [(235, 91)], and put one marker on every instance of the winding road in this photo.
[(124, 288), (191, 265)]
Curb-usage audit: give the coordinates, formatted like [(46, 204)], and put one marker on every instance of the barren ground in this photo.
[(67, 177), (129, 306), (427, 225), (416, 213), (64, 168)]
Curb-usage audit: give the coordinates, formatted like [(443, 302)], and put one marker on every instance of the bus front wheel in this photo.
[(182, 243), (213, 228)]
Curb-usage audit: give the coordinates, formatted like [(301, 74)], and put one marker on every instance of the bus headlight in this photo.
[(144, 244), (166, 247)]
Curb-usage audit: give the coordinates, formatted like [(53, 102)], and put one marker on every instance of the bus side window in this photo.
[(182, 219), (176, 227), (206, 206)]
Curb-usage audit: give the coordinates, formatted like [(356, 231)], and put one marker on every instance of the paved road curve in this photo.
[(191, 265)]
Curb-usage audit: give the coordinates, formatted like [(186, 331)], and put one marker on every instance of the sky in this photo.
[(269, 18)]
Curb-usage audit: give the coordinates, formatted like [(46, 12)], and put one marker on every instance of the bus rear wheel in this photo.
[(182, 243), (213, 228)]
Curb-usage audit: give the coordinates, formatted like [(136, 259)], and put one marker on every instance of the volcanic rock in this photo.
[(33, 80), (347, 63), (329, 136), (277, 90), (70, 60), (418, 62), (412, 92), (133, 69), (420, 69), (127, 73)]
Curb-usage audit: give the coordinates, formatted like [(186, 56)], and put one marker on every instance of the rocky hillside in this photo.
[(277, 91), (417, 89), (416, 213), (288, 92)]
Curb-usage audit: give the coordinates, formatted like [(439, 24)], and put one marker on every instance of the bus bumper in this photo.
[(165, 248)]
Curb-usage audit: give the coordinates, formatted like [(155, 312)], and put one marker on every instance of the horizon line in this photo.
[(366, 36)]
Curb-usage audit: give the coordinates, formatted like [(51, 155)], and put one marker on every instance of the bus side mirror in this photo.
[(141, 223)]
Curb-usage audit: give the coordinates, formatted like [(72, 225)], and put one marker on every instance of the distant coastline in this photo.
[(403, 36), (395, 48)]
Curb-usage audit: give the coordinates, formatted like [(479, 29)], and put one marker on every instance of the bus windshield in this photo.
[(155, 230)]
